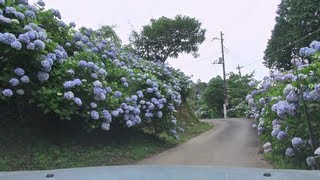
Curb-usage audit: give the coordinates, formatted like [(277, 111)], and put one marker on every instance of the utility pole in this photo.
[(222, 61), (239, 69)]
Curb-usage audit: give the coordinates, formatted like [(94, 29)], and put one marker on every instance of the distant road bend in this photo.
[(232, 142)]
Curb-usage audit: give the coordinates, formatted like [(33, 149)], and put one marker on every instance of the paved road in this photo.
[(232, 142)]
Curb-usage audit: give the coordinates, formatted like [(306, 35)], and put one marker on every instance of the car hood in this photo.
[(161, 173)]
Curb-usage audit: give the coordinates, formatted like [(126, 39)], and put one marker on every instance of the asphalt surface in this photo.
[(232, 142)]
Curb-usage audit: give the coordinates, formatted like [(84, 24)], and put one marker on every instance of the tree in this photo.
[(166, 37), (213, 95), (295, 19), (200, 87), (238, 88)]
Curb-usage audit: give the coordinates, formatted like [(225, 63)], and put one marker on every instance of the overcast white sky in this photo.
[(247, 26)]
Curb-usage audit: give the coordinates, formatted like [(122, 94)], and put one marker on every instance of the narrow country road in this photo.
[(232, 142)]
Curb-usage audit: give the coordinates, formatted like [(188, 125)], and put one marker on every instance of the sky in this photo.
[(246, 25)]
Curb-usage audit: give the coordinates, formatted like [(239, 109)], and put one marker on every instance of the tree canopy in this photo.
[(297, 24), (213, 95), (166, 37), (237, 87)]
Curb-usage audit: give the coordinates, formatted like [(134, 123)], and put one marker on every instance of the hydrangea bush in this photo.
[(82, 74), (286, 107)]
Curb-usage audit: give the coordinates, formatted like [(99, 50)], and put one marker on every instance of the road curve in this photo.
[(232, 142)]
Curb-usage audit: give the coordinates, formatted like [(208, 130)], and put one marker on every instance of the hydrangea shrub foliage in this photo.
[(82, 74), (286, 107)]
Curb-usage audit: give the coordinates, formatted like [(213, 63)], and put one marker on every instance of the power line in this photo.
[(202, 59), (268, 55), (294, 42)]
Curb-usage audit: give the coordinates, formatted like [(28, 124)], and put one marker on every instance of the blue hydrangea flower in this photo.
[(292, 97), (19, 15), (94, 115), (107, 116), (42, 76), (129, 123), (315, 45), (20, 92), (62, 24), (83, 63), (275, 122), (79, 44), (7, 92), (77, 101), (69, 84), (77, 82), (105, 126), (10, 10), (32, 8), (163, 100), (260, 130), (5, 20), (134, 97), (173, 132), (14, 82), (100, 93), (25, 79), (281, 135), (115, 113), (19, 71), (97, 84), (95, 49), (52, 56), (159, 114), (174, 121), (32, 34), (148, 115), (41, 3), (23, 38), (149, 90), (94, 75), (84, 39), (296, 142), (72, 24), (109, 90), (289, 152), (120, 110), (123, 79), (2, 2), (140, 94), (56, 13), (125, 84), (306, 52), (93, 105), (68, 95), (46, 65), (30, 14), (39, 45), (42, 35), (7, 38), (117, 94), (16, 45), (23, 2)]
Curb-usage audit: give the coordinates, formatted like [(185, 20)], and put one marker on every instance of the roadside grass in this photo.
[(281, 162), (37, 153)]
